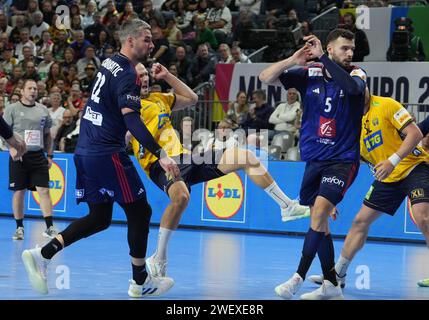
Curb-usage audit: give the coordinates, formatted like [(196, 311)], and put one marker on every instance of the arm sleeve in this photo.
[(128, 92), (140, 132), (354, 85), (5, 130), (398, 116), (424, 126), (295, 78)]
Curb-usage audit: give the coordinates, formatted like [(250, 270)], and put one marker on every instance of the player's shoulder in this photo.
[(119, 67), (356, 71)]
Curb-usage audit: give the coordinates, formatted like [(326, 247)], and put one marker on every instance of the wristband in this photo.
[(394, 159)]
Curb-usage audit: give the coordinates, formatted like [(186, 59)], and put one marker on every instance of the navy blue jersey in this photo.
[(331, 120), (102, 128)]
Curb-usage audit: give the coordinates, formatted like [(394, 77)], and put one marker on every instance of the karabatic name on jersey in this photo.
[(331, 120), (381, 136), (102, 128)]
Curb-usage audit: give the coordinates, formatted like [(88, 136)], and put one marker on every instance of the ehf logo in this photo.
[(224, 196)]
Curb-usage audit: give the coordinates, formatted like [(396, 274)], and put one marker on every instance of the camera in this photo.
[(401, 39)]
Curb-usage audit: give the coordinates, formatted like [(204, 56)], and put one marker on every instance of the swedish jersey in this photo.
[(102, 128), (331, 120), (381, 136), (155, 113)]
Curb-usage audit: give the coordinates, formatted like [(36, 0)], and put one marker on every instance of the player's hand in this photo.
[(314, 46), (170, 167), (159, 71), (383, 169), (17, 147), (302, 56)]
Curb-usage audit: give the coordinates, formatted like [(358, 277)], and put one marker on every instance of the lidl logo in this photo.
[(57, 185), (224, 196)]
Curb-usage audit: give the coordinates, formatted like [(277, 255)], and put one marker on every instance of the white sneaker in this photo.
[(318, 279), (19, 234), (295, 211), (156, 268), (327, 291), (152, 287), (50, 233), (36, 267), (289, 288)]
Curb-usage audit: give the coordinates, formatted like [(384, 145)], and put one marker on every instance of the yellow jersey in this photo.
[(381, 137), (155, 113)]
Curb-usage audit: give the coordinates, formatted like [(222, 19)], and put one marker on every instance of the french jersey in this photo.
[(331, 120), (155, 113), (102, 128), (381, 137)]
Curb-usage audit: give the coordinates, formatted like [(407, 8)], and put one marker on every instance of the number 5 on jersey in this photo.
[(328, 105)]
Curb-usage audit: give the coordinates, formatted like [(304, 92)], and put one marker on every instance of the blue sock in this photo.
[(311, 244), (327, 259)]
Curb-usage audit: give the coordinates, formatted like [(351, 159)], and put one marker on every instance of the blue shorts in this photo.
[(388, 197), (108, 178), (190, 172), (329, 179)]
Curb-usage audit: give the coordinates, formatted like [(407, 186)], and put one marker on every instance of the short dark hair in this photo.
[(260, 93), (348, 14), (337, 33), (28, 80)]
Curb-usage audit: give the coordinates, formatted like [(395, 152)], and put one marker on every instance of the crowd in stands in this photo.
[(62, 53)]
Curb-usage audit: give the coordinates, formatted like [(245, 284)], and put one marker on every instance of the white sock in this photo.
[(278, 195), (341, 266), (163, 238)]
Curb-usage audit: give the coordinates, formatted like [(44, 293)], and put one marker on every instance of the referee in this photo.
[(31, 121)]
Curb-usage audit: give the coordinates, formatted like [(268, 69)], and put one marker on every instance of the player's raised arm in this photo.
[(185, 97), (340, 50), (271, 74)]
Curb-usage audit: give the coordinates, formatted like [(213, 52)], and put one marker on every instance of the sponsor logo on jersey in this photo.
[(315, 72), (333, 180), (96, 118), (104, 191), (224, 196), (327, 128), (317, 90), (417, 194), (163, 119), (79, 193), (373, 141), (402, 116), (133, 98)]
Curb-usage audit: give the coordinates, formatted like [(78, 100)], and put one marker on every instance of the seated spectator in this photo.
[(27, 56), (220, 20), (258, 116), (44, 44), (224, 137), (8, 61), (31, 72), (205, 34), (56, 111), (74, 102), (161, 51), (4, 24), (128, 13), (60, 45), (238, 56), (79, 44), (41, 89), (87, 82), (201, 10), (184, 20), (15, 34), (252, 5), (25, 42), (109, 13), (149, 12), (55, 73), (76, 23), (90, 58), (88, 17), (45, 65), (202, 66), (276, 7), (38, 26), (69, 60), (186, 131), (284, 116), (93, 30), (173, 33), (237, 111), (67, 126), (182, 62), (225, 54), (16, 75)]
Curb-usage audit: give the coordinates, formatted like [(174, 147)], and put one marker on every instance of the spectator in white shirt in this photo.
[(38, 26), (285, 114), (238, 56), (56, 112), (25, 42), (220, 20), (252, 5)]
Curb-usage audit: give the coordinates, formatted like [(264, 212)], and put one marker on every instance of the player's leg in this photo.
[(18, 213), (36, 260), (46, 207), (235, 159), (138, 218), (179, 199)]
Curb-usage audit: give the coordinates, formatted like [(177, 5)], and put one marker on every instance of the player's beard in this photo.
[(343, 63)]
